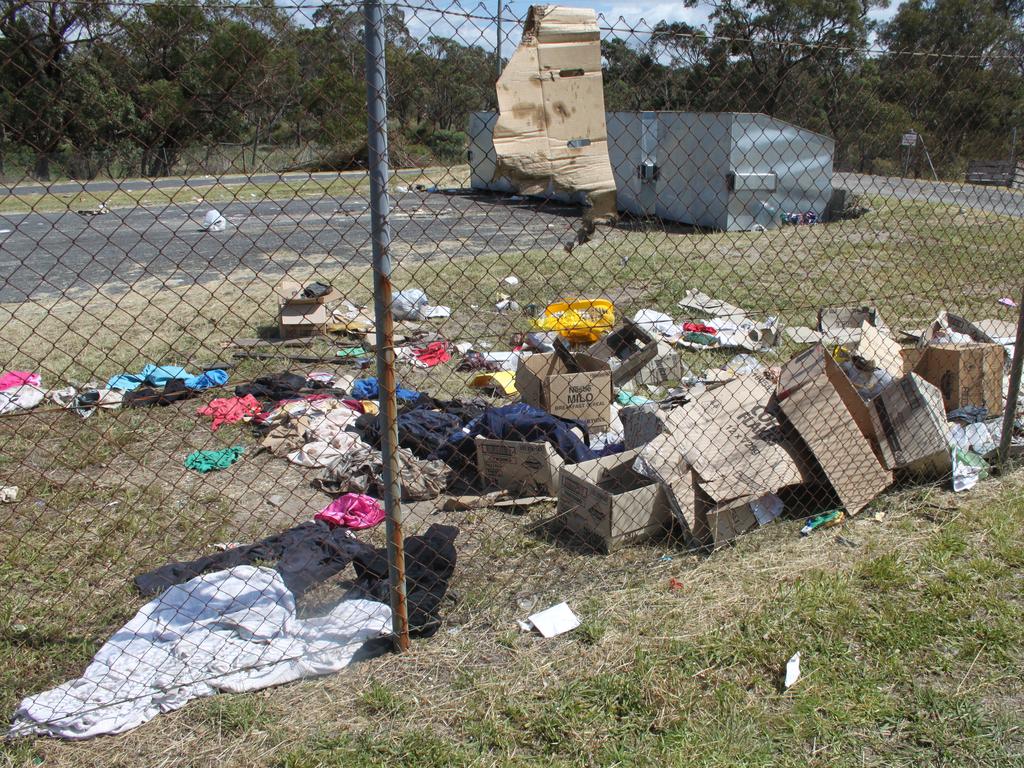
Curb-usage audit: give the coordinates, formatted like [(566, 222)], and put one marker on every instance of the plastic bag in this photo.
[(213, 221), (409, 304)]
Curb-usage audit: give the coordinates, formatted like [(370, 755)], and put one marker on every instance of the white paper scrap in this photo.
[(555, 621), (792, 670)]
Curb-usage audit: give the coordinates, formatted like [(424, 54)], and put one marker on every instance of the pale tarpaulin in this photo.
[(551, 125)]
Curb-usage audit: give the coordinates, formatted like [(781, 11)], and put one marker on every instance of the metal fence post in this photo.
[(1010, 414), (377, 141)]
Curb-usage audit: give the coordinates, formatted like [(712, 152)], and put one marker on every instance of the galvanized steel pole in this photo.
[(497, 43), (377, 141), (1010, 414)]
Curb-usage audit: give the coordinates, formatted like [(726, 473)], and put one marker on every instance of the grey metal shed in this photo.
[(730, 171)]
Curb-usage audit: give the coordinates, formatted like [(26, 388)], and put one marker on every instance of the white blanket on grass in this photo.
[(232, 631)]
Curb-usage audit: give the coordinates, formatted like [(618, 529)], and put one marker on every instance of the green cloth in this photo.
[(207, 461), (628, 398), (700, 338), (352, 352)]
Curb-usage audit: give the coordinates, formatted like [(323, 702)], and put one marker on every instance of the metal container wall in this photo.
[(728, 170)]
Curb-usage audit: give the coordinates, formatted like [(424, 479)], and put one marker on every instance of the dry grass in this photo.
[(107, 497)]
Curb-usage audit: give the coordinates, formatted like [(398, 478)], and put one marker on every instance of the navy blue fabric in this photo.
[(523, 423)]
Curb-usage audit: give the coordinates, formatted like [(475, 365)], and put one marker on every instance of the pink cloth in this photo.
[(228, 410), (353, 510), (12, 379)]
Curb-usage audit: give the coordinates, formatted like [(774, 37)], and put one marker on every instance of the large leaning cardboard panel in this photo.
[(822, 405), (551, 125)]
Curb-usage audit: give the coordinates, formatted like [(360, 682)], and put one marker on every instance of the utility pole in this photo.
[(497, 45)]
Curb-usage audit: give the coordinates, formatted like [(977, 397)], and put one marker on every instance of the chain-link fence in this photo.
[(656, 288)]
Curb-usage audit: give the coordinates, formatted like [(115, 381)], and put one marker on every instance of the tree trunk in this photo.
[(42, 168)]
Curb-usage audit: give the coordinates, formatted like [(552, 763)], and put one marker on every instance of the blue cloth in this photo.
[(215, 377), (369, 389), (159, 375)]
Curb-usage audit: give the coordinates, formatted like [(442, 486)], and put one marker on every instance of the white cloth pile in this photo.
[(232, 631)]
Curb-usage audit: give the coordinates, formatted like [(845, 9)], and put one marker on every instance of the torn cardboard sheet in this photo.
[(551, 123), (842, 325), (877, 346), (953, 329), (718, 455), (820, 403)]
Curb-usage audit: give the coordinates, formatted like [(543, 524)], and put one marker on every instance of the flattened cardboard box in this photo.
[(911, 425), (821, 404), (528, 469), (551, 122), (966, 374), (544, 382), (723, 446), (608, 504)]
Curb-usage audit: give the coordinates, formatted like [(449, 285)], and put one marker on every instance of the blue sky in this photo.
[(479, 32)]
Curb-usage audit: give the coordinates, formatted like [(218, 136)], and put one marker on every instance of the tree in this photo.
[(37, 43), (775, 38)]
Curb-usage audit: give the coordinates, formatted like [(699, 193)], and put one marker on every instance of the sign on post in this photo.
[(909, 139)]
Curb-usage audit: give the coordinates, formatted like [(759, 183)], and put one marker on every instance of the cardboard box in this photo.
[(290, 292), (628, 350), (822, 406), (641, 424), (551, 123), (544, 382), (526, 469), (666, 366), (911, 425), (842, 325), (608, 504), (966, 374), (298, 320), (719, 452)]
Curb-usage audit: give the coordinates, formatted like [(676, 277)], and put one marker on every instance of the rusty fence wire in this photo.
[(317, 336)]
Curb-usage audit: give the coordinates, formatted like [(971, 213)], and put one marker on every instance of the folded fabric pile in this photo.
[(20, 391)]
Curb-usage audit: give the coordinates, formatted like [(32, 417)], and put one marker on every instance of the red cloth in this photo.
[(435, 353), (228, 410), (698, 328), (353, 510)]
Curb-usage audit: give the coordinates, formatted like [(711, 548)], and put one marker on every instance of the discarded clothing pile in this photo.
[(425, 356), (353, 510), (282, 386), (369, 389), (161, 375), (521, 423), (85, 401), (20, 391), (304, 555), (163, 384), (312, 432), (420, 430), (236, 628), (361, 470)]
